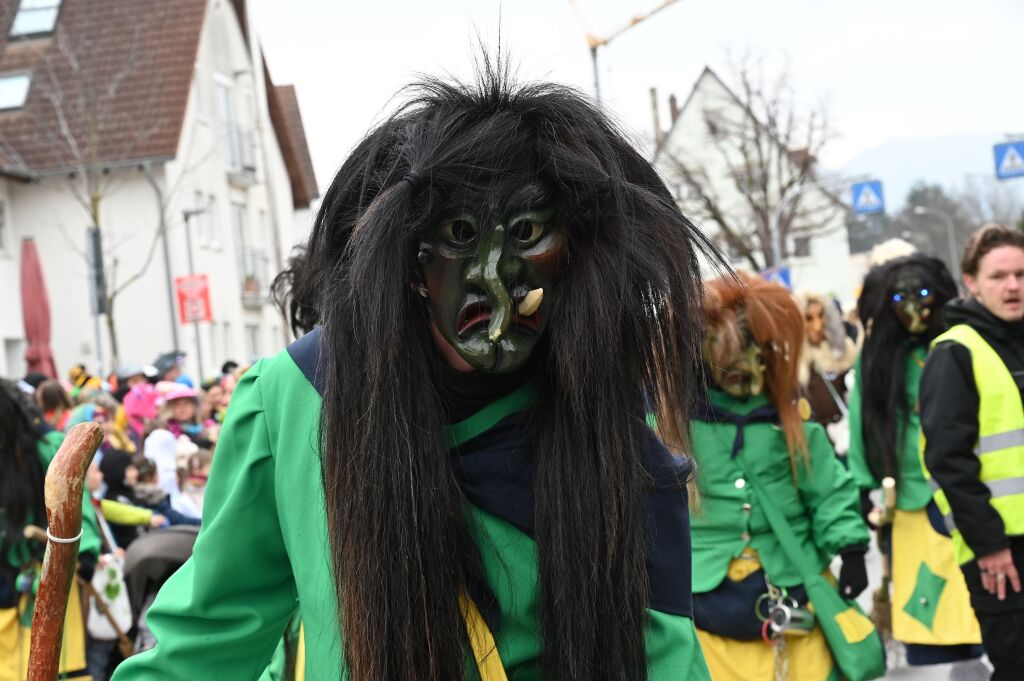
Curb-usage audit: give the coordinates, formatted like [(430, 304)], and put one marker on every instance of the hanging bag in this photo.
[(852, 638), (110, 611)]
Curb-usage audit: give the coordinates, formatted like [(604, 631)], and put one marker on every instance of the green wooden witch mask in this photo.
[(489, 276)]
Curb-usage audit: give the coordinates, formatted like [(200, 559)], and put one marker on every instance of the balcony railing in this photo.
[(255, 278)]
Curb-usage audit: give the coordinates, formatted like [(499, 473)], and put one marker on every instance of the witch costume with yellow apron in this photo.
[(23, 560), (931, 610), (743, 437), (450, 476)]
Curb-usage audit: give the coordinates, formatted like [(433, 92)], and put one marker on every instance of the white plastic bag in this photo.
[(108, 583)]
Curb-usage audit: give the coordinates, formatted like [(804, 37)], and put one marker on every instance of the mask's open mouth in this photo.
[(472, 316), (476, 316)]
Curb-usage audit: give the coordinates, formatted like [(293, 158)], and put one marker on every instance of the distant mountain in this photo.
[(947, 161)]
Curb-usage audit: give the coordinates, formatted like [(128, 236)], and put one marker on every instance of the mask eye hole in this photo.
[(459, 232), (897, 297), (527, 231), (925, 292)]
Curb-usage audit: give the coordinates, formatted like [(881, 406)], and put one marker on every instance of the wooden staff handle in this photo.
[(65, 480)]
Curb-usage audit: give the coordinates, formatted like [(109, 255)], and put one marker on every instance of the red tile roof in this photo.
[(110, 85), (291, 135)]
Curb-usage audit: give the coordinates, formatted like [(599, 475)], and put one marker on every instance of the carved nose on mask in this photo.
[(494, 285)]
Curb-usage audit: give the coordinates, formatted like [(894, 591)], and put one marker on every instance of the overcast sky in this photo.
[(887, 69)]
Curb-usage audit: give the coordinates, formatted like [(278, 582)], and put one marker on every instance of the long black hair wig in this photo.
[(625, 324), (21, 473), (883, 375)]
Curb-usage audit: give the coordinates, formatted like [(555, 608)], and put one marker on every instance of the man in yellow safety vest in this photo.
[(973, 425)]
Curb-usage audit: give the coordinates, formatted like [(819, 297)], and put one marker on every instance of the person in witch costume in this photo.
[(899, 307), (27, 447), (828, 355), (451, 473), (749, 439)]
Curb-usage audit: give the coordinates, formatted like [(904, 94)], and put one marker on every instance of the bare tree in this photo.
[(990, 200), (763, 148), (93, 118)]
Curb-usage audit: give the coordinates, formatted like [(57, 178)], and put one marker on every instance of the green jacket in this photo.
[(822, 506), (913, 492), (264, 547), (19, 554)]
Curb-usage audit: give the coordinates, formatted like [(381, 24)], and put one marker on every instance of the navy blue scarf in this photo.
[(705, 411)]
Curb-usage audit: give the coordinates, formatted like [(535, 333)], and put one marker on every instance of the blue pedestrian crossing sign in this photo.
[(868, 197), (778, 275), (1009, 160)]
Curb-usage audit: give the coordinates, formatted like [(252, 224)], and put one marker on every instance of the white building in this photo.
[(165, 107), (819, 257)]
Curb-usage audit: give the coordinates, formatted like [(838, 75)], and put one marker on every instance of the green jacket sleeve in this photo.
[(831, 497), (855, 456), (222, 614), (125, 514), (673, 651)]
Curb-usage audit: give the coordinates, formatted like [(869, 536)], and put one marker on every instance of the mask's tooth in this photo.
[(531, 302)]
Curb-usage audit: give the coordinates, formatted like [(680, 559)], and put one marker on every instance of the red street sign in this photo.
[(193, 298)]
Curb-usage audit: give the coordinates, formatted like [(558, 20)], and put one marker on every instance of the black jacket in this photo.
[(949, 418)]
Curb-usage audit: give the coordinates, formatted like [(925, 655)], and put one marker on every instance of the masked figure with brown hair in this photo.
[(750, 442), (827, 357)]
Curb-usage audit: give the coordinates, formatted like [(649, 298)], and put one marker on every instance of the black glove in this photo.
[(853, 576), (866, 506)]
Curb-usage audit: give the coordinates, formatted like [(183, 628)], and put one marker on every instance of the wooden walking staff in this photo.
[(881, 612), (65, 480)]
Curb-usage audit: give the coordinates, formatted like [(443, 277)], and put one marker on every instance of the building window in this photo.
[(252, 339), (714, 123), (202, 219), (227, 122), (802, 247), (35, 17), (242, 245), (14, 90)]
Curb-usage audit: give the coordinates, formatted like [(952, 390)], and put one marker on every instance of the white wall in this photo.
[(828, 269), (12, 330), (130, 216)]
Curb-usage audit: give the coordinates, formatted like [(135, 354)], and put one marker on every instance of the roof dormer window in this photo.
[(14, 90), (35, 17)]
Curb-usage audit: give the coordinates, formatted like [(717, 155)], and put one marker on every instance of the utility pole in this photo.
[(188, 215)]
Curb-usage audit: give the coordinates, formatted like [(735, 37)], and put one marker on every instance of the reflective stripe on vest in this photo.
[(991, 443), (1000, 447)]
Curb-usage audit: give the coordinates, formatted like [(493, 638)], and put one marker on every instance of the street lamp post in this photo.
[(954, 265), (188, 214)]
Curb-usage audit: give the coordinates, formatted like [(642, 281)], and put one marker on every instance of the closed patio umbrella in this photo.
[(35, 310)]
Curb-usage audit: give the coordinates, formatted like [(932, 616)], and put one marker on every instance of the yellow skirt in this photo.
[(14, 641), (930, 602), (807, 657)]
